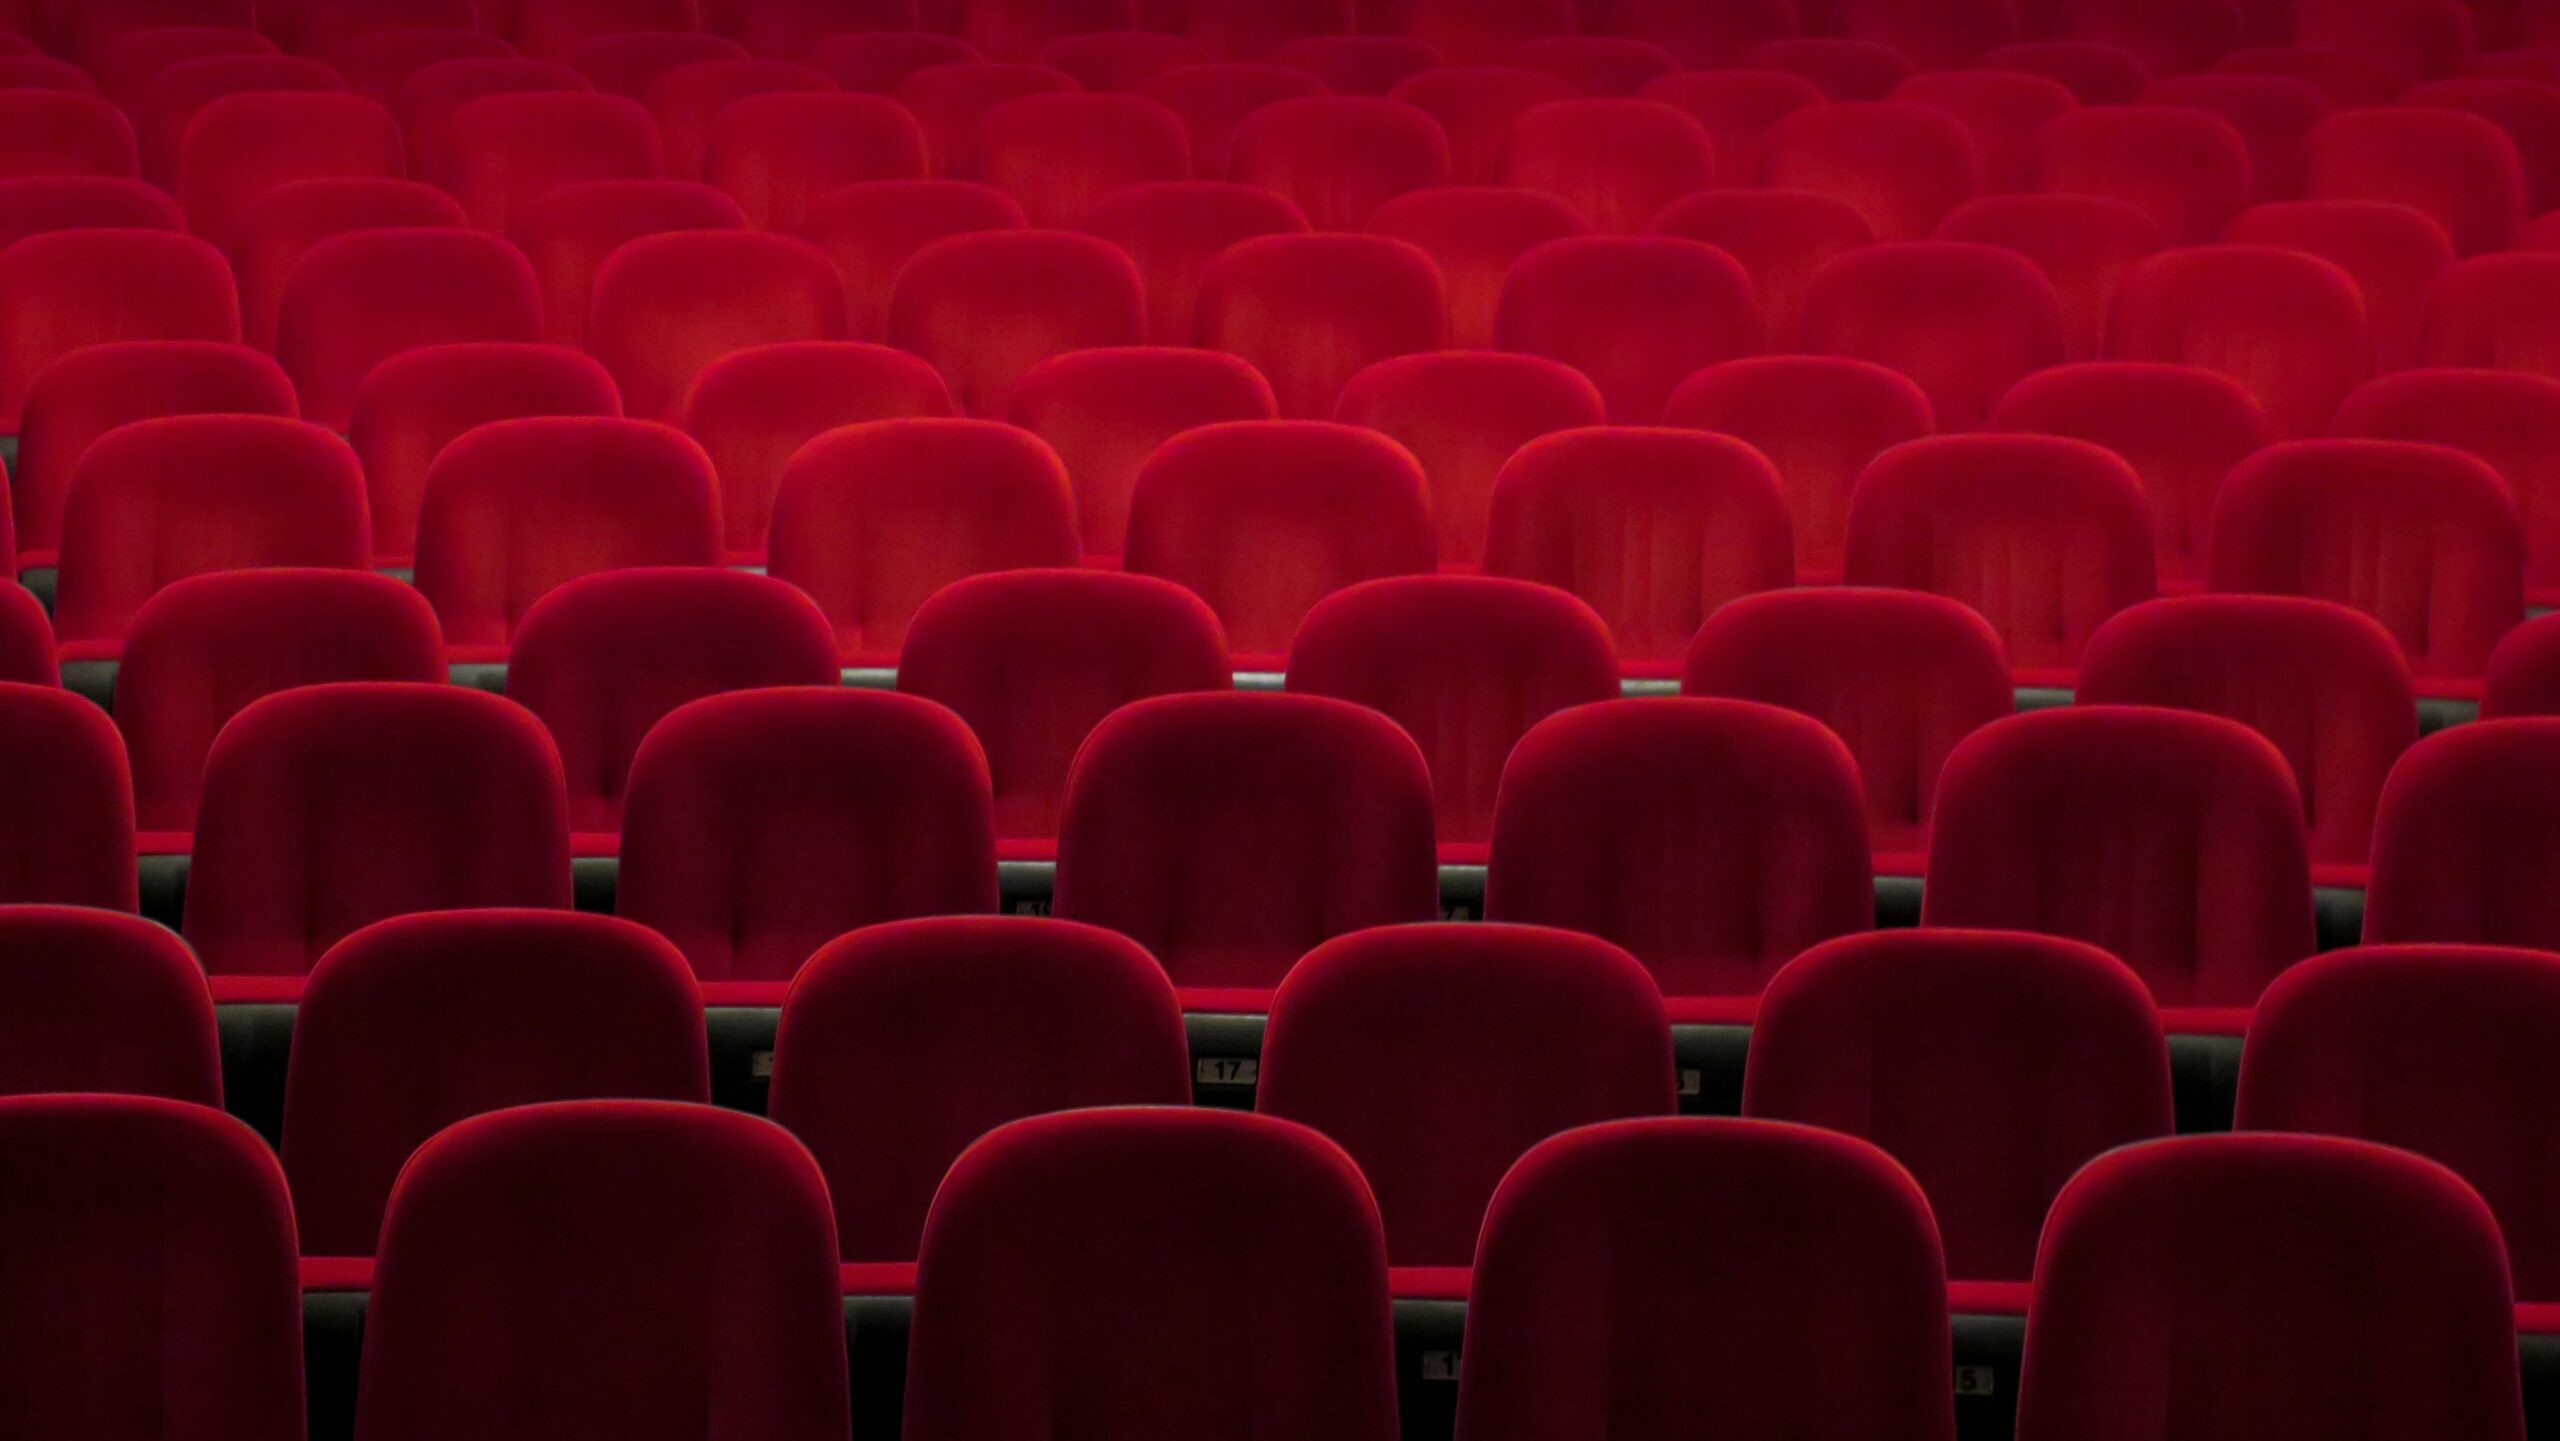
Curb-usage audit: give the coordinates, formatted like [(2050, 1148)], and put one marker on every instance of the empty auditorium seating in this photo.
[(206, 646), (2411, 39), (502, 154), (2290, 327), (1463, 414), (686, 97), (356, 300), (1340, 157), (2422, 538), (1476, 105), (103, 1002), (1506, 1034), (628, 63), (1935, 33), (2272, 113), (75, 400), (665, 306), (2528, 111), (429, 99), (74, 288), (948, 99), (1475, 234), (1819, 420), (1964, 321), (1617, 162), (2004, 110), (1884, 1037), (2346, 80), (2509, 419), (412, 405), (1713, 839), (1059, 154), (1252, 29), (1033, 660), (1122, 61), (752, 409), (2317, 1061), (32, 205), (1105, 411), (2216, 1231), (2172, 840), (2393, 252), (597, 1228), (1783, 238), (872, 519), (1737, 107), (1264, 518), (321, 26), (515, 507), (984, 308), (26, 639), (556, 27), (2459, 169), (897, 1046), (70, 837), (1310, 311), (1637, 314), (156, 1266), (163, 499), (2494, 312), (1904, 166), (2186, 169), (126, 63), (1071, 1207), (2459, 836), (602, 658), (1172, 230), (569, 233), (181, 92), (290, 219), (556, 1006), (777, 154), (242, 146), (2095, 74), (380, 63), (1363, 66), (1603, 66), (327, 808), (2524, 673), (2083, 244), (1214, 99), (759, 825), (1819, 1237), (61, 132), (2182, 428), (877, 62)]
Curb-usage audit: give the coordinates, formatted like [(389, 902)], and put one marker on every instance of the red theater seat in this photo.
[(75, 288), (1105, 411), (1821, 1238), (1963, 321), (789, 27), (2172, 840), (320, 26), (949, 98), (179, 93), (102, 1002), (627, 64), (2219, 1232), (1846, 70), (1071, 1207), (1061, 154), (289, 220), (1712, 839), (1819, 420), (2413, 39), (515, 507), (570, 232), (2273, 114), (2459, 169), (776, 155), (876, 63), (1010, 29), (1782, 238), (1637, 314), (357, 300), (870, 230), (170, 1225), (2394, 252), (1507, 1035), (897, 1043), (1616, 162), (1904, 166), (557, 27), (1363, 65), (663, 1261), (1991, 1108), (686, 98), (241, 147), (1602, 66), (428, 100), (1214, 99), (1737, 107), (2509, 419), (26, 640), (1937, 34), (2094, 73), (1252, 29), (1463, 414), (330, 807), (380, 63), (1900, 677), (665, 306), (984, 308), (38, 204), (127, 62), (2346, 80), (1121, 62), (760, 825), (1475, 234), (1172, 230), (415, 1023), (752, 409), (1703, 37), (1476, 105), (2528, 111), (1340, 157), (2082, 243), (2004, 111), (2524, 673), (1471, 31), (69, 837), (2460, 839), (1033, 660), (602, 658), (2494, 312), (59, 132), (2290, 327), (160, 500), (1311, 311), (505, 153), (872, 519), (205, 647), (2185, 168)]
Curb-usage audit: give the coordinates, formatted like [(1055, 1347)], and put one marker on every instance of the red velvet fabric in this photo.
[(1899, 676), (1173, 229), (2289, 326), (2413, 39), (2003, 110), (180, 92), (1904, 166), (1105, 411), (59, 132), (1340, 157), (1591, 1294), (412, 1024), (330, 807), (241, 146), (2219, 1287), (2509, 419), (2046, 537), (2272, 113), (665, 306), (2172, 839), (876, 63), (26, 639), (948, 99), (103, 1002), (2524, 673), (904, 1043), (2083, 244), (379, 63), (872, 519), (2459, 836), (1783, 238), (318, 26), (1637, 314), (2181, 428), (777, 154), (602, 658), (1252, 29), (1465, 664), (2528, 111), (2185, 168), (2460, 169), (1820, 420), (1467, 32), (2394, 253), (1887, 1037), (127, 62), (1121, 62), (1713, 839), (1214, 99), (752, 410), (872, 229), (288, 220), (70, 841), (1475, 234), (1229, 834), (1463, 414), (1618, 162), (1964, 321), (686, 97), (1938, 34), (428, 100), (34, 205), (568, 234), (1704, 37), (1311, 311), (1365, 66), (2325, 684), (208, 645), (667, 1271), (1033, 660), (1015, 29), (1611, 67), (2095, 73), (414, 404), (1736, 106), (549, 28), (165, 499), (151, 1290), (2347, 80), (1476, 105), (2495, 312), (788, 27), (2422, 538), (761, 824), (515, 507), (1249, 1299), (503, 154), (356, 300), (1059, 154), (75, 288), (87, 393), (1437, 1054), (984, 308), (627, 63)]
